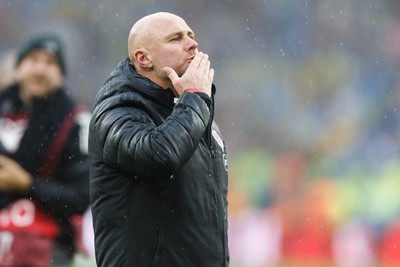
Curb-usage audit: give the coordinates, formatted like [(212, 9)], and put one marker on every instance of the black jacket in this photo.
[(50, 150), (158, 182)]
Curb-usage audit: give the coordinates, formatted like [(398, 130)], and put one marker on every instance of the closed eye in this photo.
[(179, 36)]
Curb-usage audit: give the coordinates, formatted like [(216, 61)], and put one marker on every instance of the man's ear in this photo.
[(143, 58)]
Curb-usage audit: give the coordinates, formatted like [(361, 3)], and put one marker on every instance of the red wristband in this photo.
[(192, 90)]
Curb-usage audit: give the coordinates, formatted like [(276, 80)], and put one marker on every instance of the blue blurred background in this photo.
[(308, 96)]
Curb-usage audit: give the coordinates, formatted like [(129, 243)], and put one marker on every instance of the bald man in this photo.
[(159, 171)]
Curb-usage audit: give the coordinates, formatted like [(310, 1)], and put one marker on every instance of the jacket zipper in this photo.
[(209, 128)]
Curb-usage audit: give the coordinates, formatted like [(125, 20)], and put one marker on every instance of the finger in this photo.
[(207, 67), (211, 75), (196, 60), (171, 74), (203, 64)]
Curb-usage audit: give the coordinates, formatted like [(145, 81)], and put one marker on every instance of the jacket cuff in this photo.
[(201, 107), (203, 95)]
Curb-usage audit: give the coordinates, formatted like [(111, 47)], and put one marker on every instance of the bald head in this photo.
[(158, 41), (148, 29)]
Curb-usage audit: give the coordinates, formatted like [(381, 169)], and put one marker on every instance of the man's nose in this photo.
[(191, 44), (40, 67)]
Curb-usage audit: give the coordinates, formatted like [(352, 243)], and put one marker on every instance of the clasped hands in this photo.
[(13, 178)]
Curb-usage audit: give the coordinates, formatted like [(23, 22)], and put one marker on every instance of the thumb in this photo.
[(172, 75)]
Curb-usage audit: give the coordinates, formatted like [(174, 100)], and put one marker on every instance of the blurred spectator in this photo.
[(43, 159), (7, 70)]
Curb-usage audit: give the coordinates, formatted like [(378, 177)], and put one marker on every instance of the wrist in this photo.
[(192, 90)]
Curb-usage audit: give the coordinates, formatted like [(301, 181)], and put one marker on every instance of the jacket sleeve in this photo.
[(68, 192), (130, 141)]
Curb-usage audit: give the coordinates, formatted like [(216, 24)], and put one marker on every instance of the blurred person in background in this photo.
[(158, 181), (7, 70), (44, 166)]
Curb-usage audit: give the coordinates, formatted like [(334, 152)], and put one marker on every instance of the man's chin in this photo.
[(182, 71), (38, 91)]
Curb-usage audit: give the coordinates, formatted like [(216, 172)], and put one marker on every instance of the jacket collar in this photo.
[(146, 87)]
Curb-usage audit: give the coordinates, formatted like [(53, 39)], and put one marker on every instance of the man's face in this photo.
[(173, 46), (39, 74)]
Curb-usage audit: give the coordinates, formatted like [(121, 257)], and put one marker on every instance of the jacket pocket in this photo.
[(159, 246)]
